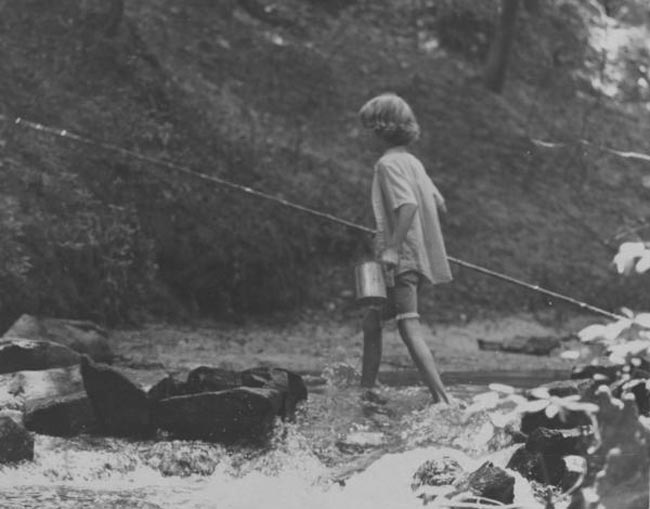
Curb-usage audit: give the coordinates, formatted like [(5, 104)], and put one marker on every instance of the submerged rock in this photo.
[(223, 416), (16, 443), (121, 408), (81, 336), (360, 441), (27, 354), (61, 416)]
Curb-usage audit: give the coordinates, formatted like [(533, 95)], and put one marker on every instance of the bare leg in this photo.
[(411, 332), (371, 348)]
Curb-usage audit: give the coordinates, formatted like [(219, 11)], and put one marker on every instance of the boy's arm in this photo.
[(403, 219), (439, 199)]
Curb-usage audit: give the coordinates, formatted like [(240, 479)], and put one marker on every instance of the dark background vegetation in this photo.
[(266, 94)]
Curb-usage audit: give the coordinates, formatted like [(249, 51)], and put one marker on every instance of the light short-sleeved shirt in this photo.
[(400, 179)]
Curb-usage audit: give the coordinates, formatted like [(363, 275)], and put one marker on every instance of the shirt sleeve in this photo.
[(395, 186)]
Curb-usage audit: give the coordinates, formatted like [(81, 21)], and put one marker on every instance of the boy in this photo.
[(409, 240)]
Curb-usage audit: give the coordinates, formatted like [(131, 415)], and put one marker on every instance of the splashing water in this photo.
[(348, 448)]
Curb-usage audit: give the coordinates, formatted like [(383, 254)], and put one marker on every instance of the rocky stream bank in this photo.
[(70, 388)]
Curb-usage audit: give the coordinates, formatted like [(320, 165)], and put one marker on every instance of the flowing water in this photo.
[(347, 449)]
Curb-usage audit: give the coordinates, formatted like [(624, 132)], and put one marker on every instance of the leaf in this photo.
[(540, 393), (533, 406), (570, 355), (643, 319), (643, 265), (591, 333), (502, 388), (551, 410)]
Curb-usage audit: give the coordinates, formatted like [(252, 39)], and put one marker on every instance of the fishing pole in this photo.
[(64, 133)]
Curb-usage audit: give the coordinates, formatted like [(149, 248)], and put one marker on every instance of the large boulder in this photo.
[(16, 443), (28, 354), (223, 416), (210, 379), (121, 407), (82, 336), (61, 416), (17, 390)]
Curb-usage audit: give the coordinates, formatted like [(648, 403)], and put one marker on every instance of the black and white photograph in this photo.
[(325, 254)]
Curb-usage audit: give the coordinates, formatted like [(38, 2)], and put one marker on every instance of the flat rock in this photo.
[(61, 416), (23, 387), (16, 443), (81, 336), (530, 345), (223, 416), (27, 354), (120, 407)]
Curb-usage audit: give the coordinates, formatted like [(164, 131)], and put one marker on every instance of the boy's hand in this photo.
[(389, 257)]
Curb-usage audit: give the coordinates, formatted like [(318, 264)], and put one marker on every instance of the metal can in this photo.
[(370, 286)]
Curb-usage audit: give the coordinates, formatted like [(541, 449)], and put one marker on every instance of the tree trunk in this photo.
[(497, 64)]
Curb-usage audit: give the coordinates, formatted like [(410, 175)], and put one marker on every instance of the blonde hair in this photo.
[(391, 118)]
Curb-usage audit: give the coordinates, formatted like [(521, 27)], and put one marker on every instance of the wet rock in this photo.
[(208, 379), (21, 388), (575, 472), (597, 372), (289, 383), (27, 354), (543, 458), (120, 407), (437, 472), (15, 415), (638, 388), (560, 442), (534, 420), (563, 388), (489, 481), (530, 345), (167, 388), (16, 443), (357, 442), (62, 416), (81, 336), (223, 416), (182, 459)]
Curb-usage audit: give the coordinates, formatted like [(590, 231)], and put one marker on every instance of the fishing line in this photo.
[(64, 133)]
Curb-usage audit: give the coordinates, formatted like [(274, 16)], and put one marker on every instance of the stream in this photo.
[(347, 448)]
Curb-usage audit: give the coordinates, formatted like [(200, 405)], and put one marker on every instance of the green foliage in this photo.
[(270, 102)]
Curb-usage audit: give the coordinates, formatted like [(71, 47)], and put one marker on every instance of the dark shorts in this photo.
[(402, 300)]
